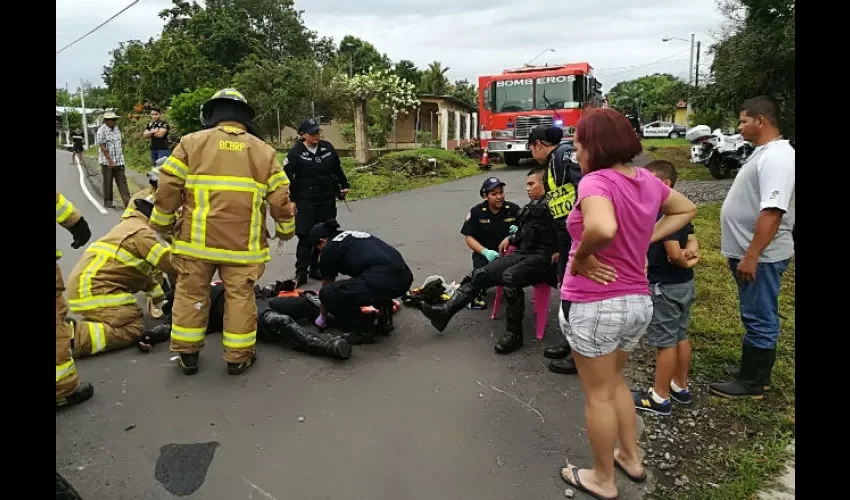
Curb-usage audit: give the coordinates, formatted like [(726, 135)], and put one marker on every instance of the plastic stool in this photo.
[(542, 294)]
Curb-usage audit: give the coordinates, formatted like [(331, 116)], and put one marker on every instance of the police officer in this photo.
[(533, 261), (486, 225), (378, 275), (314, 169), (561, 183), (223, 177)]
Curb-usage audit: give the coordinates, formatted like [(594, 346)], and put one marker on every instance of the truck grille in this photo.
[(524, 124)]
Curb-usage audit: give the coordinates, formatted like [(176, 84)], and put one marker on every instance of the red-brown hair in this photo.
[(607, 138)]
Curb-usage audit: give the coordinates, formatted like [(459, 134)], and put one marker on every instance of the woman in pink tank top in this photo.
[(606, 305)]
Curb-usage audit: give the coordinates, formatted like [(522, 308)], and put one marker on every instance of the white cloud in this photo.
[(620, 38)]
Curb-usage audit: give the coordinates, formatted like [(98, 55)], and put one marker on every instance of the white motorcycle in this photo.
[(722, 154)]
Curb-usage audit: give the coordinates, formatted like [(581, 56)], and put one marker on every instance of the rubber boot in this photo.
[(510, 342), (240, 368), (514, 312), (564, 366), (559, 351), (441, 314), (301, 278), (287, 329), (735, 372), (755, 368), (82, 393), (189, 362)]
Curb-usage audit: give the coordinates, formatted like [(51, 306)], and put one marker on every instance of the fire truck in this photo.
[(513, 103)]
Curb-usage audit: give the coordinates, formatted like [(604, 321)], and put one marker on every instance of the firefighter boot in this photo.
[(514, 310), (755, 370), (240, 368), (189, 362), (441, 314), (81, 394), (283, 327)]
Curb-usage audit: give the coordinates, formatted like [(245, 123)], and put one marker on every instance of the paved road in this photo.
[(419, 416)]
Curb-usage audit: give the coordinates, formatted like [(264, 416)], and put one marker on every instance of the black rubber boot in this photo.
[(189, 362), (755, 368), (441, 314), (564, 366), (560, 351), (81, 394), (735, 372), (284, 328), (240, 368), (514, 312), (511, 341), (300, 278)]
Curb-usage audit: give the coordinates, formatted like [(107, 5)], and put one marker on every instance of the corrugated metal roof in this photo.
[(61, 110)]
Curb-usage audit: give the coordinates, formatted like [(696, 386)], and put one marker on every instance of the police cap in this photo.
[(308, 126), (490, 184)]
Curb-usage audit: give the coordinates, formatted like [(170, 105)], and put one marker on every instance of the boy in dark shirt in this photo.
[(77, 150), (670, 265)]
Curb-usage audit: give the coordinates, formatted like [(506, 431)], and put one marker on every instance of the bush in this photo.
[(426, 139), (185, 110)]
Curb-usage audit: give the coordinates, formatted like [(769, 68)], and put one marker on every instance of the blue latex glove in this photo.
[(513, 229), (490, 254)]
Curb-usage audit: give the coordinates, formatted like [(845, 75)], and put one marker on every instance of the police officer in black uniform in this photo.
[(77, 149), (486, 225), (378, 275), (561, 182), (532, 262), (316, 182)]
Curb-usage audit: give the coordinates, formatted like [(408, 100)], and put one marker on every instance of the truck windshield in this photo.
[(513, 95), (562, 92)]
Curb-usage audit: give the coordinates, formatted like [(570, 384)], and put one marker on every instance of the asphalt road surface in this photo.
[(418, 416)]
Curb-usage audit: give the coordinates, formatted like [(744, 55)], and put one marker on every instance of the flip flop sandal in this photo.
[(634, 479), (577, 484)]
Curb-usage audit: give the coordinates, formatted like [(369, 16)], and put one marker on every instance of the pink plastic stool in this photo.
[(542, 295)]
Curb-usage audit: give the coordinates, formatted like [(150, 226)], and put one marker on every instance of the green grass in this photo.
[(716, 333), (401, 171), (677, 152)]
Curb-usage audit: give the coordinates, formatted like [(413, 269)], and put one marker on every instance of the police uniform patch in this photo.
[(468, 216), (286, 161)]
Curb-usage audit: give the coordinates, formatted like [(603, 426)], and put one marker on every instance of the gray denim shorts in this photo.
[(671, 315), (598, 328)]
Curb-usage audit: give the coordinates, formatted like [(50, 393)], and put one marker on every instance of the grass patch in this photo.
[(737, 446), (677, 152), (404, 170)]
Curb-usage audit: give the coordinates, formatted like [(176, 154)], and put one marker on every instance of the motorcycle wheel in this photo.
[(64, 490), (716, 168)]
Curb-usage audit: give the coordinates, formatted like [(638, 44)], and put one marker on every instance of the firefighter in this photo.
[(277, 321), (561, 182), (222, 177), (69, 390), (315, 171), (378, 274), (533, 261), (153, 180), (102, 287)]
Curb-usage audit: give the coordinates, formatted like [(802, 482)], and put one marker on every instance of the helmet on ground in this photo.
[(232, 95)]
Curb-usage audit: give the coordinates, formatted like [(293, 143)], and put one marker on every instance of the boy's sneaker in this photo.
[(683, 397), (645, 402), (477, 304)]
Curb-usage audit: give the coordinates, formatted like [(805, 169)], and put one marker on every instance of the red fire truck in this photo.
[(513, 103)]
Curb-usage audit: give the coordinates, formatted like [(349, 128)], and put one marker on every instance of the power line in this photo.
[(104, 23), (639, 66), (649, 64)]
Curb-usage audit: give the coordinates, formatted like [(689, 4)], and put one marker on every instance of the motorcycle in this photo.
[(722, 154)]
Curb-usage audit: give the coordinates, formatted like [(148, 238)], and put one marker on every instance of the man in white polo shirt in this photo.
[(756, 224)]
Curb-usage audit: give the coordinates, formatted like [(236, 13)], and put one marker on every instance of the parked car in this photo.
[(663, 129)]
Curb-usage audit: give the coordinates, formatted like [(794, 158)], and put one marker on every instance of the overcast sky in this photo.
[(621, 39)]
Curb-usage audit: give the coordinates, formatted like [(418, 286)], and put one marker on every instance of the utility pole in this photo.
[(85, 121), (696, 69), (67, 121), (279, 130), (691, 72)]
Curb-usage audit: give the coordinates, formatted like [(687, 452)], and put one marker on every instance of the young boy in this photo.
[(671, 281)]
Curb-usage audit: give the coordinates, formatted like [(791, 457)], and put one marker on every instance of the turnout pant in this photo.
[(66, 371), (309, 214), (377, 286), (190, 313), (120, 175), (106, 329), (514, 272)]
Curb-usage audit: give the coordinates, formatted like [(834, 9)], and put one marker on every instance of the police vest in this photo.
[(559, 198)]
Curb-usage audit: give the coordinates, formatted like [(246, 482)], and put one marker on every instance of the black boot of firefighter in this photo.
[(441, 314), (240, 368), (284, 328), (189, 362), (514, 310), (81, 394)]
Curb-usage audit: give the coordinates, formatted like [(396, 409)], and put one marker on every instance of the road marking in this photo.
[(85, 189)]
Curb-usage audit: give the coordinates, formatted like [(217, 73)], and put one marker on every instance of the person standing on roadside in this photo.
[(157, 131), (110, 155), (756, 236), (317, 181), (77, 148), (561, 182)]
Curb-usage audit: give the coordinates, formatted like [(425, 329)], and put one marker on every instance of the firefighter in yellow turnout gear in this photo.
[(69, 390), (129, 259), (223, 177)]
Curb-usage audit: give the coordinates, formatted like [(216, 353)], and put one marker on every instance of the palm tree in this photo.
[(434, 80)]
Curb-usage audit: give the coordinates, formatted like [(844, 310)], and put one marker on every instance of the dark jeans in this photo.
[(377, 286), (156, 154), (120, 177), (758, 302), (564, 243), (306, 257)]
